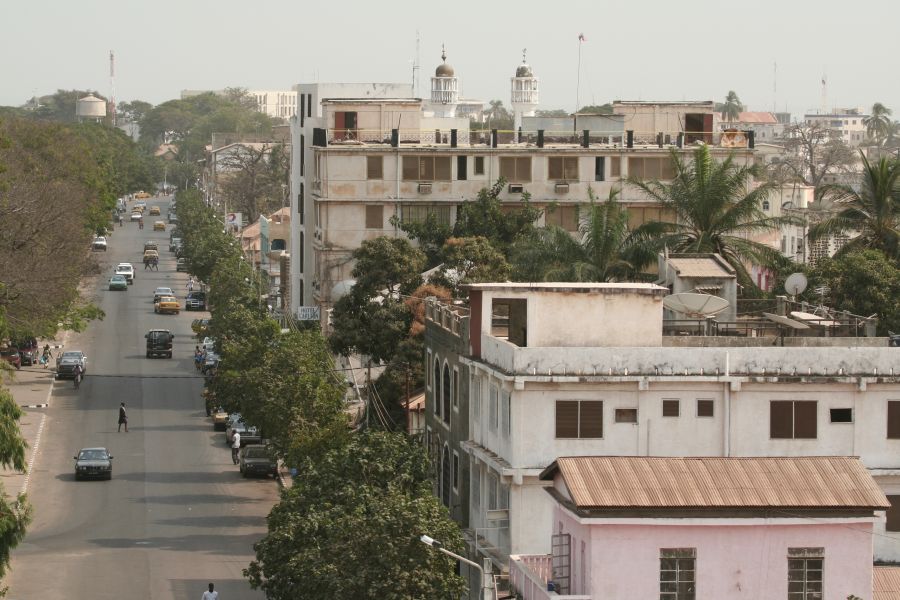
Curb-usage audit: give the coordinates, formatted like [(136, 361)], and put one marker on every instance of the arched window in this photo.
[(436, 387), (445, 477), (445, 394), (278, 244)]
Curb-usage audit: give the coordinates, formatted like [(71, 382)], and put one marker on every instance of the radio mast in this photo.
[(112, 87)]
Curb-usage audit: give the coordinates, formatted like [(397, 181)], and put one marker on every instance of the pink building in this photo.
[(636, 528)]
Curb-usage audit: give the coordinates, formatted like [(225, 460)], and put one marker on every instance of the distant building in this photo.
[(281, 104), (524, 93), (684, 528), (696, 119), (765, 125), (444, 90), (846, 124)]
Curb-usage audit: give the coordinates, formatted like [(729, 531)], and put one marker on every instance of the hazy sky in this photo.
[(636, 50)]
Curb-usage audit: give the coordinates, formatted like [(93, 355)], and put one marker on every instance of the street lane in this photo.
[(177, 514)]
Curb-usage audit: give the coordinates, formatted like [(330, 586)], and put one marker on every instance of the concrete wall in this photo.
[(735, 558)]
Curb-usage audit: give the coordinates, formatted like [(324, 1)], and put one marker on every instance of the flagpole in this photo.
[(577, 87)]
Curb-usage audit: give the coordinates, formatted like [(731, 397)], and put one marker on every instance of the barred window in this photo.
[(805, 570), (426, 168), (418, 213), (677, 569)]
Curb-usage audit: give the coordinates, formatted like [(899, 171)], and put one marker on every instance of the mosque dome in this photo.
[(444, 70)]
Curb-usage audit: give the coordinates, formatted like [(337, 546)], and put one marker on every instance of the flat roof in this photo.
[(372, 100), (562, 287)]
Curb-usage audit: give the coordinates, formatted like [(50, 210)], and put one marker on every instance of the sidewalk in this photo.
[(31, 388)]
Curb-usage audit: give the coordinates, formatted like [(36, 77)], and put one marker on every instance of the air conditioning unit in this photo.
[(561, 188), (424, 188), (516, 188)]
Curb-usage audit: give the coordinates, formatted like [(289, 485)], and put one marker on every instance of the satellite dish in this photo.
[(696, 305), (795, 284)]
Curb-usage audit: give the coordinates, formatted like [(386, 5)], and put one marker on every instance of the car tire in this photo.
[(169, 355)]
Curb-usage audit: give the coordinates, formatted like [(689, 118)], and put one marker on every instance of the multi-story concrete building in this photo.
[(845, 123), (765, 125), (373, 158), (281, 104), (584, 369)]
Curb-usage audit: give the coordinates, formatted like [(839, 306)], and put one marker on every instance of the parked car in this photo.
[(126, 270), (200, 327), (118, 282), (29, 351), (162, 291), (154, 210), (181, 267), (174, 244), (195, 300), (166, 304), (93, 463), (257, 459), (220, 419), (11, 355), (159, 343), (99, 243), (159, 226), (173, 218), (67, 361), (249, 433)]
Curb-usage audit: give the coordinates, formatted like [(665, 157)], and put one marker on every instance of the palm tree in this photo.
[(732, 109), (878, 124), (603, 250), (873, 211), (716, 211)]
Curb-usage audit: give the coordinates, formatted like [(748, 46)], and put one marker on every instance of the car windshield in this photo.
[(256, 453), (117, 278), (72, 355), (94, 454), (167, 298), (197, 295), (164, 291)]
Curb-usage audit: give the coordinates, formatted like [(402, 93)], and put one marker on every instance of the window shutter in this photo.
[(805, 419), (670, 408), (374, 216), (554, 167), (410, 168), (781, 417), (705, 408), (374, 167), (591, 419), (566, 419), (893, 419), (893, 514)]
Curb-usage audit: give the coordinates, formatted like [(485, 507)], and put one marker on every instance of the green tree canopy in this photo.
[(873, 210), (732, 108), (470, 260), (349, 525), (878, 124), (715, 211)]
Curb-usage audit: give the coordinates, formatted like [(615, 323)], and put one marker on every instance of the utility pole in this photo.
[(407, 401), (368, 391)]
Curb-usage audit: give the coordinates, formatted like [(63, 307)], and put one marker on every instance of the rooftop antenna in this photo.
[(112, 87), (415, 69), (824, 93), (774, 86)]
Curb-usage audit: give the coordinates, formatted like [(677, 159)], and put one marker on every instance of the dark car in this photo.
[(93, 463), (159, 343), (11, 355), (195, 300), (256, 459), (29, 352), (67, 361)]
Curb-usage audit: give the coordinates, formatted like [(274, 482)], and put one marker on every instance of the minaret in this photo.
[(444, 89), (525, 97)]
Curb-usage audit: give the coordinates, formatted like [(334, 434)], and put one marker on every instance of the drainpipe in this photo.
[(727, 421)]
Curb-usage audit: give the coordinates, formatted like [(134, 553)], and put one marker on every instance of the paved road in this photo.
[(177, 513)]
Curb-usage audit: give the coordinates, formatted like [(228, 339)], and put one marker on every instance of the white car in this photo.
[(99, 243), (126, 269), (136, 216), (162, 291)]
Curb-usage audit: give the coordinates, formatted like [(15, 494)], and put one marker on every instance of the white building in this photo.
[(846, 123), (281, 104), (524, 93), (558, 369), (444, 89)]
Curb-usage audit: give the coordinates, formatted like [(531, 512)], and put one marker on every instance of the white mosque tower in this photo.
[(444, 89), (525, 97)]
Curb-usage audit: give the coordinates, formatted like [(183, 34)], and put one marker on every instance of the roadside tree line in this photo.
[(348, 520)]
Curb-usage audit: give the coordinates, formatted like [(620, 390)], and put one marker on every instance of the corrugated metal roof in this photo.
[(699, 267), (886, 583), (662, 482), (758, 118)]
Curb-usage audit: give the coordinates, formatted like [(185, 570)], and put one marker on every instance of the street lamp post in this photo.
[(487, 583)]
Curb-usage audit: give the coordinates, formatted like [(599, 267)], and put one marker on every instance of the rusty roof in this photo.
[(886, 583), (765, 118), (701, 266), (717, 482)]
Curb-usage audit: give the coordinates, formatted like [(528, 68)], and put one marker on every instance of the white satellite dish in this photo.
[(696, 305), (795, 284)]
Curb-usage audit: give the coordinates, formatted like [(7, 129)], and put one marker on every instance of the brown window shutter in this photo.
[(374, 216), (566, 419), (805, 419), (590, 419), (410, 168), (893, 419), (705, 408), (374, 167), (442, 168), (781, 419), (670, 408), (555, 167), (893, 514)]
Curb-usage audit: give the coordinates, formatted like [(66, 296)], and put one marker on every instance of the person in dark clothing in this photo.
[(123, 418)]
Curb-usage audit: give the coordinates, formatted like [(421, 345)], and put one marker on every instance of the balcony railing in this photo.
[(529, 576)]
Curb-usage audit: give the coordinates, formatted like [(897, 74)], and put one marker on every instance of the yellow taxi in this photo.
[(141, 195), (151, 255), (154, 210), (159, 226), (166, 304)]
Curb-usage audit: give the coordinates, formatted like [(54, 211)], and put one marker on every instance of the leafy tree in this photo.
[(253, 178), (596, 109), (878, 124), (715, 212), (604, 250), (873, 210), (485, 217), (556, 112), (862, 282), (814, 153), (732, 108), (134, 111), (15, 515), (470, 260), (389, 264), (349, 528), (498, 116), (365, 326), (60, 106)]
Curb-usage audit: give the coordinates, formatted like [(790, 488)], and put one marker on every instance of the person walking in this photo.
[(235, 447), (190, 284), (210, 594), (123, 418), (45, 355)]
